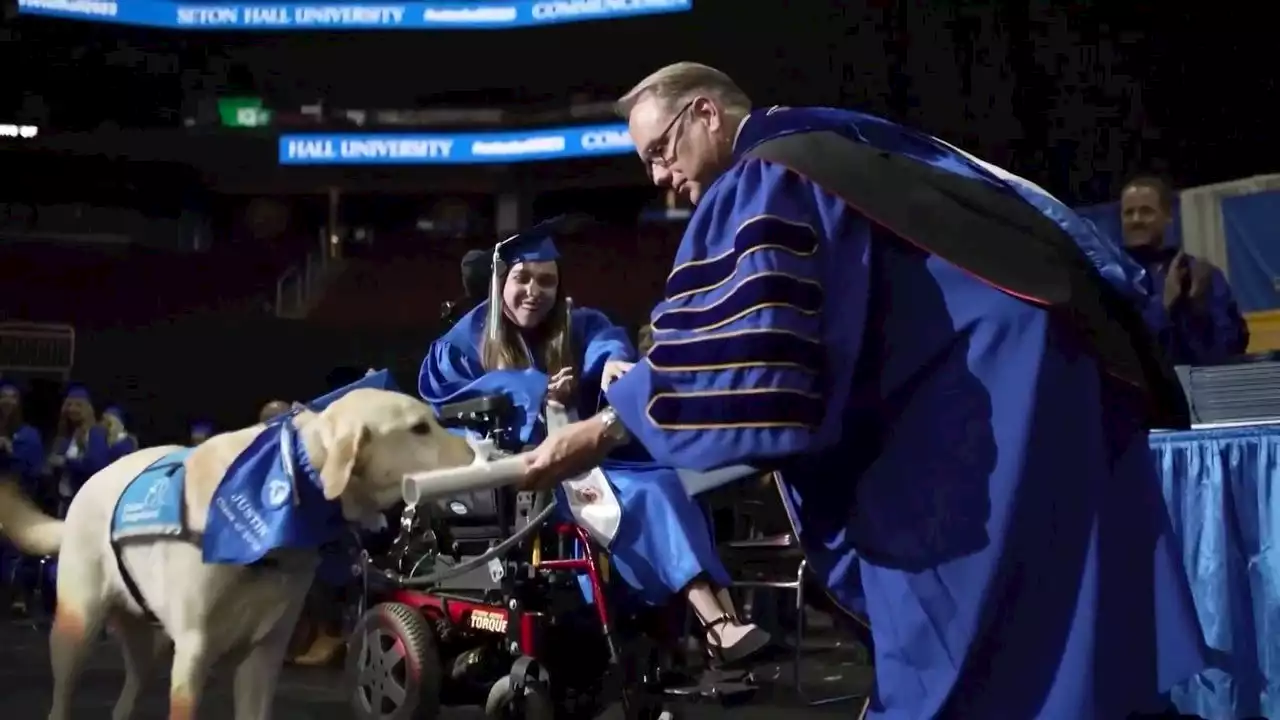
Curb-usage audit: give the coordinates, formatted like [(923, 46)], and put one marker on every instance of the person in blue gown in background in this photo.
[(80, 446), (120, 441), (962, 441), (1190, 308), (537, 348), (22, 460), (21, 448)]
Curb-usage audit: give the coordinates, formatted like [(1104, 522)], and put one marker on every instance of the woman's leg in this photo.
[(712, 606), (664, 548)]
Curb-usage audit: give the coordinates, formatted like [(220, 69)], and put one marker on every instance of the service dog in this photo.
[(355, 452)]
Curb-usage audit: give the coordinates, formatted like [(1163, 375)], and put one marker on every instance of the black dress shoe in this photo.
[(755, 648)]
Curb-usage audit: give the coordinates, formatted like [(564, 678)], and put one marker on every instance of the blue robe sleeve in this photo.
[(1217, 332), (96, 456), (740, 370), (450, 375), (27, 460), (600, 341), (1213, 333), (122, 447)]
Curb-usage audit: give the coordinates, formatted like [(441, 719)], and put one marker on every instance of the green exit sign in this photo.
[(243, 113)]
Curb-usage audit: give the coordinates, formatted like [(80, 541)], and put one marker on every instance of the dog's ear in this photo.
[(342, 448)]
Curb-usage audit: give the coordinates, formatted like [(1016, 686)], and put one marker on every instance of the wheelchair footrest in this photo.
[(725, 687)]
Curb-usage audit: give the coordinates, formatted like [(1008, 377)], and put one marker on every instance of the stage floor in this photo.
[(833, 668)]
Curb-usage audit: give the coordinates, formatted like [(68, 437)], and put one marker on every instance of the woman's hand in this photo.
[(613, 370), (560, 386)]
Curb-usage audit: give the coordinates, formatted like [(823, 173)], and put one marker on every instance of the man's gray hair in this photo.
[(680, 82)]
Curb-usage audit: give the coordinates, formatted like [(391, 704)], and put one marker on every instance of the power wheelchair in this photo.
[(482, 599)]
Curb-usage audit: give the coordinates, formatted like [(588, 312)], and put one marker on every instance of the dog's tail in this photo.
[(33, 532)]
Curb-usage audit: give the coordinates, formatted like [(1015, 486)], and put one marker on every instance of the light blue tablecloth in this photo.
[(1221, 486)]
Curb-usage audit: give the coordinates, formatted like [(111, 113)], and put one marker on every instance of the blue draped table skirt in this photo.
[(1221, 487)]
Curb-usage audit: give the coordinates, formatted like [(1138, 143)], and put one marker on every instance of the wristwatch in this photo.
[(614, 430)]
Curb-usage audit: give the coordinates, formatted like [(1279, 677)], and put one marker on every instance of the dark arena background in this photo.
[(207, 206)]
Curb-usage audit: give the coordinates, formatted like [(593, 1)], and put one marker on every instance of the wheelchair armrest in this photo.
[(467, 412)]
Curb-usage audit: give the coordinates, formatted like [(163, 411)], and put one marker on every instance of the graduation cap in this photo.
[(10, 386), (78, 392), (536, 244), (380, 380)]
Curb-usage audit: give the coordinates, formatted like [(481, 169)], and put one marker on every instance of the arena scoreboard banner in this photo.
[(455, 148), (481, 14)]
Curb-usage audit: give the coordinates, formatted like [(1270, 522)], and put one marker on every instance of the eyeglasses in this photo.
[(662, 151)]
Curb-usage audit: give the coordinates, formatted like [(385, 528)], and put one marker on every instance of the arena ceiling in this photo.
[(1076, 96)]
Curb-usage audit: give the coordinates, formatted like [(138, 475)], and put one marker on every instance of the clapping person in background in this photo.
[(120, 441), (22, 460), (21, 449), (80, 447), (1191, 309)]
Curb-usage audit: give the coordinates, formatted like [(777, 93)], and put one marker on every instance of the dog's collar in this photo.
[(294, 456)]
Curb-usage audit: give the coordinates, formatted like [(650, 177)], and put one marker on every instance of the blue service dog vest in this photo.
[(270, 499)]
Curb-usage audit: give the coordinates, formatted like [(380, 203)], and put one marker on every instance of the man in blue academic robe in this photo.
[(1190, 309), (948, 368)]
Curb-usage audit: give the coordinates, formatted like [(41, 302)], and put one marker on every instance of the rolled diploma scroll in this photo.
[(484, 473), (421, 487)]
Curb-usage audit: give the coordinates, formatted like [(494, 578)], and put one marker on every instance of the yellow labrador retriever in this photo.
[(353, 454)]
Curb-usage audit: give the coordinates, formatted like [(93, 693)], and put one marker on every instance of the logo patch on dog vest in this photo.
[(152, 504)]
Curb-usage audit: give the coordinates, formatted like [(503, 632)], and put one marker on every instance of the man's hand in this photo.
[(1201, 282), (1175, 280), (560, 386), (565, 454), (613, 370)]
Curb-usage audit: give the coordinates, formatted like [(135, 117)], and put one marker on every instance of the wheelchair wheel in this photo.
[(393, 668)]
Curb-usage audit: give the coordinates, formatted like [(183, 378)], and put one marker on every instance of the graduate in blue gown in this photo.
[(1190, 308), (22, 460), (21, 448), (120, 441), (80, 447), (963, 441), (528, 343)]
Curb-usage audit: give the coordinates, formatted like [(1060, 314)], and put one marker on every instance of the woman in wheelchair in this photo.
[(527, 342)]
